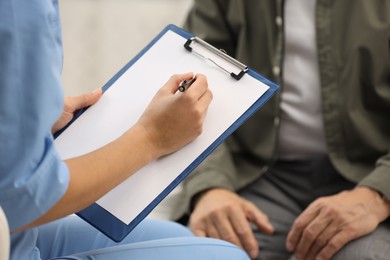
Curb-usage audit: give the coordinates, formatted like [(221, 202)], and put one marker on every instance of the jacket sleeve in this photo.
[(379, 178)]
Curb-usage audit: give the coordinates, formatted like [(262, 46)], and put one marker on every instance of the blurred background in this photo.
[(101, 36)]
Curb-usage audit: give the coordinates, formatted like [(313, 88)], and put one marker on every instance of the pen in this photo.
[(186, 84)]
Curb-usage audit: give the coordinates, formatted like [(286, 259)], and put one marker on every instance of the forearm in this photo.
[(94, 174), (168, 123)]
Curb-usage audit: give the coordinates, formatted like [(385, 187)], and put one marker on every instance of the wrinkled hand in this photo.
[(74, 103), (220, 213), (173, 118), (329, 223)]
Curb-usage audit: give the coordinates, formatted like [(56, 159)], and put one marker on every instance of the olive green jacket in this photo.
[(353, 38)]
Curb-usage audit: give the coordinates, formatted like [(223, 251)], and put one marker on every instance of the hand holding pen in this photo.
[(185, 84), (173, 120)]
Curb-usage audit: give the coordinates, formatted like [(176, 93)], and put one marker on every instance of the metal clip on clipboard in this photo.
[(201, 48)]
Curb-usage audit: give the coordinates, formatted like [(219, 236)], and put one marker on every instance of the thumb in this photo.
[(85, 100)]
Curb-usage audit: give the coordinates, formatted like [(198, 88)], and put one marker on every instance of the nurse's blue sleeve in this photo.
[(32, 176)]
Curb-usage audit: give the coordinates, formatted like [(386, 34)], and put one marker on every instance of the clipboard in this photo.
[(238, 92)]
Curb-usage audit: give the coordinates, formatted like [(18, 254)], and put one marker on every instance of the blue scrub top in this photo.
[(32, 175)]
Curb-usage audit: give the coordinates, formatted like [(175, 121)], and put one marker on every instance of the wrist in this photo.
[(200, 195), (149, 149), (379, 204), (195, 199)]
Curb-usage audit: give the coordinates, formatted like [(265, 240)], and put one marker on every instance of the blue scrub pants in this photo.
[(73, 238)]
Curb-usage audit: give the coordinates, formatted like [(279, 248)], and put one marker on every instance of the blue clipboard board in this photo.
[(106, 221)]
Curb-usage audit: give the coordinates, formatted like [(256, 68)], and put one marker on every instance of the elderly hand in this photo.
[(220, 213), (329, 223), (74, 103)]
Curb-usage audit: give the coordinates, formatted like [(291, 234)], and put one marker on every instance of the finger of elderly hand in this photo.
[(225, 227), (299, 225), (315, 230), (199, 232), (244, 231), (211, 229), (335, 244), (203, 227), (322, 240), (256, 216)]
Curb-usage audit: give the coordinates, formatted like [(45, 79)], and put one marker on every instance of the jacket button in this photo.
[(279, 21), (276, 71)]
